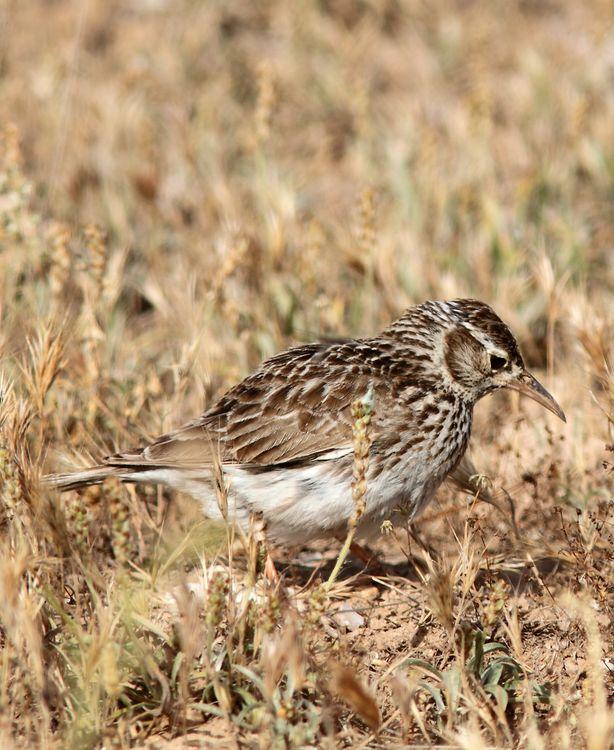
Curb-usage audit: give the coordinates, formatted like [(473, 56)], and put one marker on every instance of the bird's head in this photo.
[(481, 355), (466, 342)]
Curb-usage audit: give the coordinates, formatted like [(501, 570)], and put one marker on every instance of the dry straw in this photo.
[(362, 411)]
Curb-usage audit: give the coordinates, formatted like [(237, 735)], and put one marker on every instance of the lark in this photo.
[(283, 436)]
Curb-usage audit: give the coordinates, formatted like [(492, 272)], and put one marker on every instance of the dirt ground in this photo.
[(188, 187)]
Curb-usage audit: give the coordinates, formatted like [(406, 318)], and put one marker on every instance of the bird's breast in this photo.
[(408, 465), (314, 499)]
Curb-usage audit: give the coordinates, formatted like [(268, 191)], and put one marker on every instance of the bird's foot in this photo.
[(364, 554)]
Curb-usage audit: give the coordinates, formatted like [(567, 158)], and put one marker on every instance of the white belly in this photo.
[(300, 503), (305, 502)]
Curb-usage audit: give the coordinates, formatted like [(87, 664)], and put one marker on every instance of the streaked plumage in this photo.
[(284, 434)]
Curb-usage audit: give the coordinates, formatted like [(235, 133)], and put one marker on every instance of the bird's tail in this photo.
[(78, 479)]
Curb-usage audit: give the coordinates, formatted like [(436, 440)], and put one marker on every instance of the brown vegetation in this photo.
[(188, 187)]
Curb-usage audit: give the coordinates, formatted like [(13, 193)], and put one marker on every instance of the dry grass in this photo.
[(187, 187)]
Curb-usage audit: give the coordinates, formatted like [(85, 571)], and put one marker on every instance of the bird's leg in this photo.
[(425, 547), (370, 559), (365, 555)]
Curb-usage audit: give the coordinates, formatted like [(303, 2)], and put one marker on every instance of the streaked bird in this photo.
[(283, 436)]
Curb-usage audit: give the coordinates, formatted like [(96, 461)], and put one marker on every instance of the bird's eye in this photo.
[(497, 363)]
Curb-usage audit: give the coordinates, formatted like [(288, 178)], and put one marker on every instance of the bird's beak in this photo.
[(529, 386)]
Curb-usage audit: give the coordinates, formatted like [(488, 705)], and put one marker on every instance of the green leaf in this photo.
[(177, 661), (452, 682), (499, 694), (508, 661), (542, 693), (476, 653), (436, 693), (247, 697), (424, 665), (494, 646), (492, 674), (208, 708), (252, 677)]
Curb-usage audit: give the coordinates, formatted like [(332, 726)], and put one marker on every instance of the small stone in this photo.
[(347, 617)]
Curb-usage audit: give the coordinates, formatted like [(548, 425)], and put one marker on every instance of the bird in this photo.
[(283, 437)]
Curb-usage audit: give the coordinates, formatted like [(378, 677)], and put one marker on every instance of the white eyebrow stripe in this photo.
[(491, 349)]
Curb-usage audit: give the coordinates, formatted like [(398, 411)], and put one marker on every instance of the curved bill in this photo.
[(529, 386)]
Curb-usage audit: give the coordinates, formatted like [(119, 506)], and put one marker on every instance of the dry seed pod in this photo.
[(59, 236), (346, 684), (96, 246)]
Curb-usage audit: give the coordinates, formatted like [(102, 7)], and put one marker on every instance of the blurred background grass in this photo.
[(187, 187)]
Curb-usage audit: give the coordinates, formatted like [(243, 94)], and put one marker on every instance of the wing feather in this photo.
[(289, 410)]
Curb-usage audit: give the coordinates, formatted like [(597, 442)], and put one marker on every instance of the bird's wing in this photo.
[(297, 406)]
